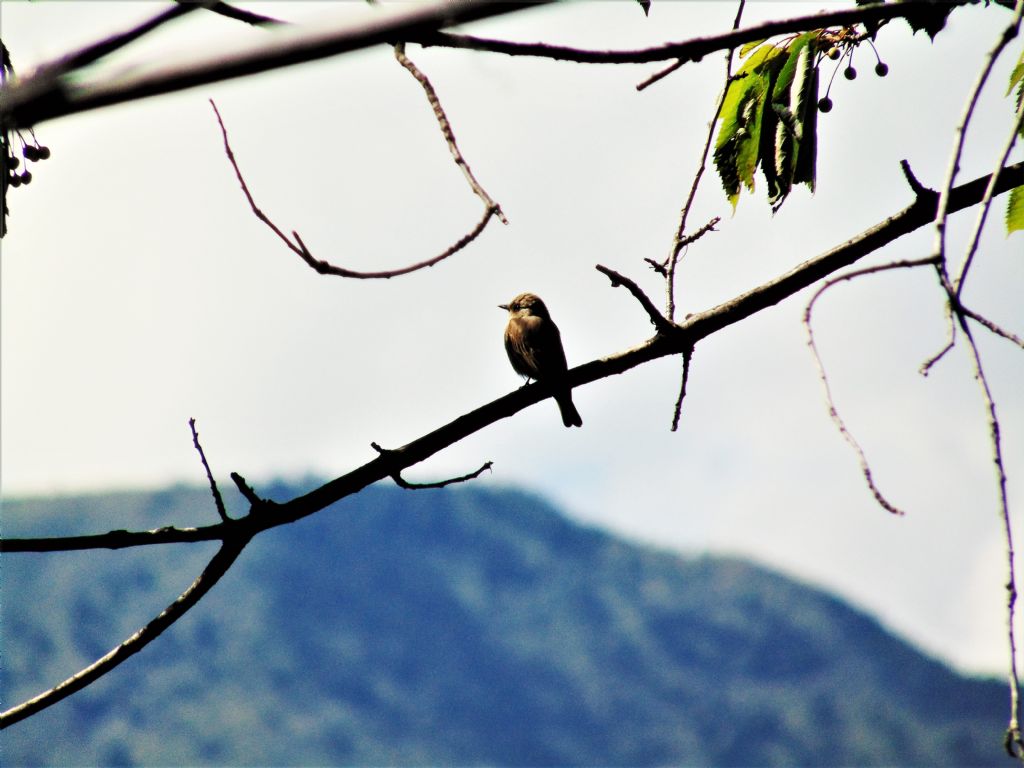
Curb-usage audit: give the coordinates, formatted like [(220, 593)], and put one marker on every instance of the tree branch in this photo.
[(658, 320), (688, 50), (45, 96), (216, 568), (322, 267), (683, 337), (403, 483)]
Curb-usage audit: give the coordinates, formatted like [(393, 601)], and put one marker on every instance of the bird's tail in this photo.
[(570, 416)]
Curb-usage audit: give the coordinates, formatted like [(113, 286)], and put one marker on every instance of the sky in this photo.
[(137, 290)]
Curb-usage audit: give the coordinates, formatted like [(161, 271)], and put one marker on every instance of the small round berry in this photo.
[(833, 53), (881, 69), (13, 161), (825, 104), (26, 177), (14, 180), (850, 73), (30, 153), (44, 153)]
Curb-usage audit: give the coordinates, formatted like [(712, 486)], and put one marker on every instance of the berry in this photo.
[(14, 162), (44, 153), (30, 153), (825, 104), (833, 53), (26, 177), (881, 69), (14, 180), (850, 73)]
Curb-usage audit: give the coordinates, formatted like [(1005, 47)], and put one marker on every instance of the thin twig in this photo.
[(402, 483), (446, 131), (926, 366), (1013, 741), (216, 568), (217, 498), (240, 14), (986, 201), (997, 330), (696, 327), (688, 50), (683, 379), (832, 410), (961, 132), (246, 490), (660, 74), (679, 240), (96, 51), (657, 319), (298, 247)]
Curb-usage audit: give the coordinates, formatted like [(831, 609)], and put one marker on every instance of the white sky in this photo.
[(138, 291)]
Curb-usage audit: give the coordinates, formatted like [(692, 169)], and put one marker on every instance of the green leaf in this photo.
[(748, 47), (737, 148), (1015, 211), (794, 103), (1017, 79), (1017, 76)]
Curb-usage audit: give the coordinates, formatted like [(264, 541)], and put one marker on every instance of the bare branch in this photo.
[(681, 339), (660, 75), (96, 51), (216, 568), (446, 131), (832, 410), (677, 413), (42, 97), (1013, 741), (997, 330), (298, 247), (218, 500), (679, 240), (926, 366), (402, 483), (239, 14), (657, 319), (986, 201), (942, 212), (688, 50)]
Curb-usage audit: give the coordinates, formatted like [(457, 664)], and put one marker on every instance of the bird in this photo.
[(534, 348)]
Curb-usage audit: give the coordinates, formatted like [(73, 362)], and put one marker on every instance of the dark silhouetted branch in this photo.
[(216, 568), (297, 246)]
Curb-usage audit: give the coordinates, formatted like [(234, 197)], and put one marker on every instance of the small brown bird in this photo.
[(534, 348)]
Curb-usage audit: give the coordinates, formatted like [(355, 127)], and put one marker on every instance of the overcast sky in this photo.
[(138, 290)]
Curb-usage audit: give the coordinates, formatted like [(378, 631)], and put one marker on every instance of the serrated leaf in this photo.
[(1015, 211), (748, 47), (794, 104), (1017, 76), (737, 148), (1017, 79)]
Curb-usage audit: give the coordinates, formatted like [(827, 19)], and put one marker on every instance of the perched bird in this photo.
[(534, 348)]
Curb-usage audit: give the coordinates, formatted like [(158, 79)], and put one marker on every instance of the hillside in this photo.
[(458, 627)]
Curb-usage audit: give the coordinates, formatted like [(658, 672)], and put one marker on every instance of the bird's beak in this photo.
[(503, 306)]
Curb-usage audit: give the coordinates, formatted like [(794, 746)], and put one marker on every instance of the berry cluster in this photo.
[(840, 47), (32, 152)]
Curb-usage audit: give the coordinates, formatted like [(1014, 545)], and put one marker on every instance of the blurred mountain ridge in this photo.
[(463, 626)]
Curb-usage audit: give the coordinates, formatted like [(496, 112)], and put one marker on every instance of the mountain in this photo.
[(461, 626)]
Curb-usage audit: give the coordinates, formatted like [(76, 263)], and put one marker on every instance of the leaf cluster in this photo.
[(769, 119)]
